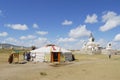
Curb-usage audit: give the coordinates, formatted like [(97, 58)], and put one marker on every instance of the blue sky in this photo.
[(66, 23)]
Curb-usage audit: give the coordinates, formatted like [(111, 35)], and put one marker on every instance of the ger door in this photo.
[(55, 57)]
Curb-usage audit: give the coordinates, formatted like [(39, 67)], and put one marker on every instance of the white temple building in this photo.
[(91, 47)]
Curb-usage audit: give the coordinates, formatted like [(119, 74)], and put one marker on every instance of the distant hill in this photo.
[(8, 46)]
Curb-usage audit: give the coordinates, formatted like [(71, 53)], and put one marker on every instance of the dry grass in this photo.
[(86, 67), (4, 55)]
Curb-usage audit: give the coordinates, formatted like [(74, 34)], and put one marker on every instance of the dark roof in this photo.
[(50, 45)]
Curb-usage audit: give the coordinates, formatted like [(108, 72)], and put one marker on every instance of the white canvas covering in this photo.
[(43, 53)]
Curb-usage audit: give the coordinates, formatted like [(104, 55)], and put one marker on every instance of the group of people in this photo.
[(26, 56)]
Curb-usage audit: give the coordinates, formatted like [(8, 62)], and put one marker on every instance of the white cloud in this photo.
[(102, 42), (27, 41), (0, 12), (23, 37), (66, 40), (111, 20), (3, 34), (80, 31), (40, 42), (67, 22), (116, 45), (10, 39), (41, 32), (27, 37), (72, 45), (17, 26), (91, 19), (35, 26), (117, 37), (15, 41), (78, 45)]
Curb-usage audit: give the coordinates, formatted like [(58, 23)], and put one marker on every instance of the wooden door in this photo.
[(55, 57)]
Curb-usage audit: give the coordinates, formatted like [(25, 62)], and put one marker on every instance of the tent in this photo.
[(51, 53)]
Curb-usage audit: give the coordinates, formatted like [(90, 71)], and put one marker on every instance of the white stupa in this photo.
[(109, 46), (91, 47), (108, 49)]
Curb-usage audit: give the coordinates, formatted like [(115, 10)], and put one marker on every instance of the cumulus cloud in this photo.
[(27, 37), (40, 41), (91, 19), (3, 34), (10, 39), (17, 26), (77, 45), (102, 42), (117, 37), (80, 31), (35, 26), (116, 45), (66, 40), (67, 22), (41, 32), (16, 41), (111, 20), (27, 41)]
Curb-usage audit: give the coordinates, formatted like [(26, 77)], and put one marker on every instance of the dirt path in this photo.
[(18, 71), (31, 71)]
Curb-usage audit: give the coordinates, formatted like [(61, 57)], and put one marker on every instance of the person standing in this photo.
[(110, 54)]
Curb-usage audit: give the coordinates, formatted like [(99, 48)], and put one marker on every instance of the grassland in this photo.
[(4, 54), (85, 67)]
